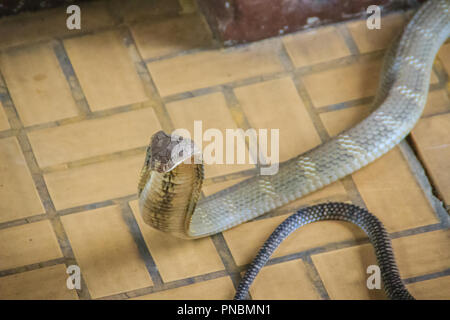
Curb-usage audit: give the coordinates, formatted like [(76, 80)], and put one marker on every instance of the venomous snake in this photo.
[(169, 188)]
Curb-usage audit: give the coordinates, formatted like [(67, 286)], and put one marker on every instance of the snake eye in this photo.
[(180, 153)]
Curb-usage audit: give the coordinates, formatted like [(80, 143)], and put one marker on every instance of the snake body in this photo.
[(393, 285), (169, 188)]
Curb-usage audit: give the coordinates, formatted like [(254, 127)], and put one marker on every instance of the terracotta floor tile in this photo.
[(432, 137), (387, 185), (105, 70), (27, 244), (18, 195), (4, 124), (41, 284), (376, 39), (172, 35), (100, 136), (358, 80), (275, 104), (444, 56), (391, 192), (37, 84), (94, 182), (108, 257), (178, 258), (307, 48), (37, 26), (287, 280), (423, 253), (434, 289), (212, 110), (210, 68), (245, 240), (343, 271), (216, 289), (438, 102), (337, 121)]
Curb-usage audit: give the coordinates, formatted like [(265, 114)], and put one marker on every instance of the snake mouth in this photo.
[(166, 151)]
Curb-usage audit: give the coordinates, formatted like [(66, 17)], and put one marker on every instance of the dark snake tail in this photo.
[(394, 287)]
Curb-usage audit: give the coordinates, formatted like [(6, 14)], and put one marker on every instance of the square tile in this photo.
[(37, 84), (212, 111), (284, 281), (94, 182), (122, 131), (307, 48), (28, 244), (444, 56), (432, 138), (18, 195), (337, 121), (421, 254), (41, 284), (276, 104), (105, 70), (391, 192), (433, 289), (211, 68), (215, 289), (438, 102), (178, 258), (170, 35), (369, 40), (344, 273), (104, 247), (355, 81)]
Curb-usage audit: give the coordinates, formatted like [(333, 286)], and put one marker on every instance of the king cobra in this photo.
[(170, 184)]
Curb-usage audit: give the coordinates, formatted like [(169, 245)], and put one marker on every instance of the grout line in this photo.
[(144, 251), (227, 258), (425, 184), (314, 276), (42, 190), (241, 121), (31, 267), (170, 285), (146, 78), (430, 276), (71, 77), (343, 30)]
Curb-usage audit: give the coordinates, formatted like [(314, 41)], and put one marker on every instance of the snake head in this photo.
[(165, 152)]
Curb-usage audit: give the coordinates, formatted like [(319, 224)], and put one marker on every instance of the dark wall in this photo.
[(236, 21), (10, 7)]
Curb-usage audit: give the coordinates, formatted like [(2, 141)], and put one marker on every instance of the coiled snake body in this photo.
[(169, 188)]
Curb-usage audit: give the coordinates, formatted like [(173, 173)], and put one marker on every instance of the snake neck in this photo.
[(167, 199)]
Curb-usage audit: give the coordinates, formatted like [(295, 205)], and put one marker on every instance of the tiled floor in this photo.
[(77, 109)]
